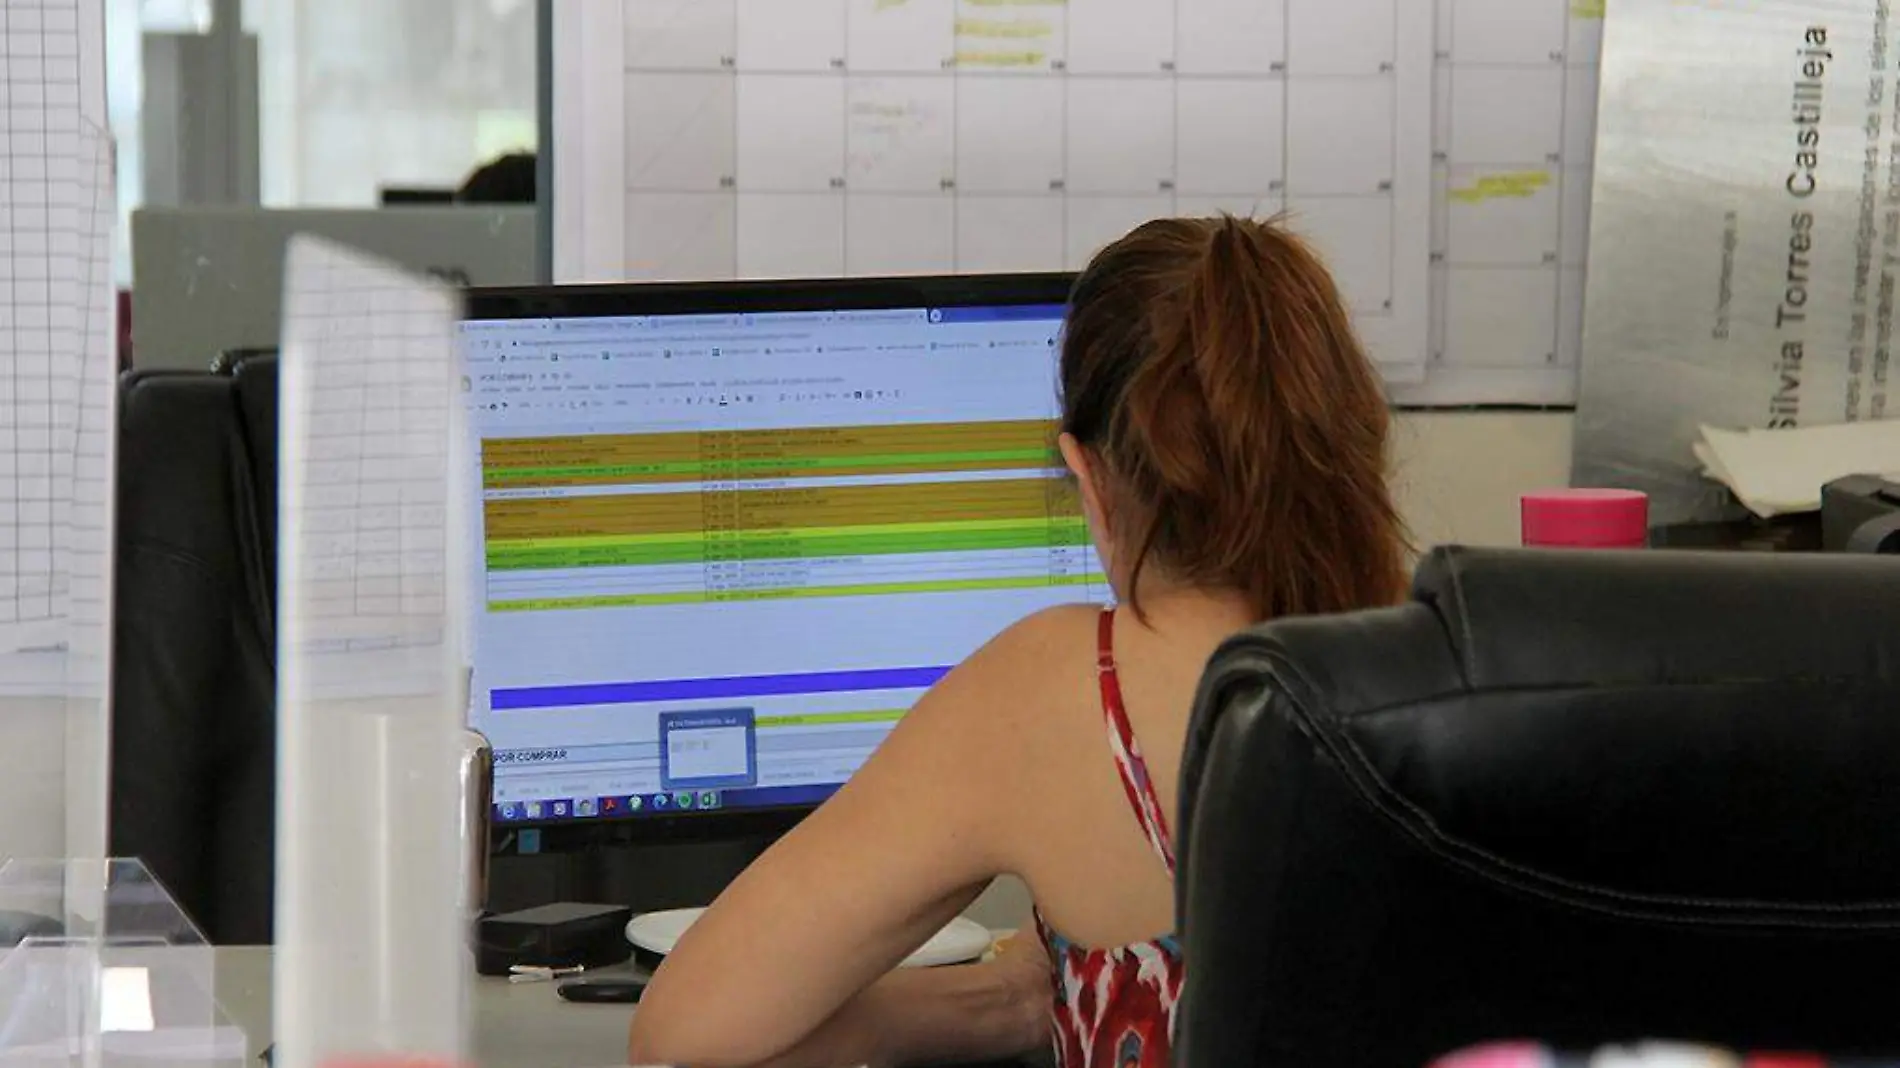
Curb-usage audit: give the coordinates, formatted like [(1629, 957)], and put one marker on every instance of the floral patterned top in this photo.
[(1114, 1008)]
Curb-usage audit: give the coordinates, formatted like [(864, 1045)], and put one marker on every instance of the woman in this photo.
[(1228, 438)]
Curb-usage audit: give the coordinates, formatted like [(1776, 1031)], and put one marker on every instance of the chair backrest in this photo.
[(1578, 797), (255, 381), (194, 725)]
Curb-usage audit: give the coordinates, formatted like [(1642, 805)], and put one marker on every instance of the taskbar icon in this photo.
[(681, 801)]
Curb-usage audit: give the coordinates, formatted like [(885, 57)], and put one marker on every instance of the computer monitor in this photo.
[(730, 533)]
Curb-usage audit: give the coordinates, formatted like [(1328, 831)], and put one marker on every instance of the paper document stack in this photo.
[(1778, 472)]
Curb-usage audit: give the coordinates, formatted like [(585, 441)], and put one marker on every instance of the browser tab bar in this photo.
[(884, 315)]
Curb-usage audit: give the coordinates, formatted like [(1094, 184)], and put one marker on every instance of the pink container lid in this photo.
[(1586, 518)]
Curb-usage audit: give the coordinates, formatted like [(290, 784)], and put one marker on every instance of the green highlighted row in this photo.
[(826, 719), (569, 541), (788, 545), (648, 600), (766, 465)]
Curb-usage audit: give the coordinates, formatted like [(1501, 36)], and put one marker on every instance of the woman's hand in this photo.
[(961, 1013), (1023, 963)]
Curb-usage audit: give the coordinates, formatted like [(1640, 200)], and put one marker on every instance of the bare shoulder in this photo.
[(956, 759), (1037, 656), (993, 709), (1064, 629), (999, 687), (987, 732)]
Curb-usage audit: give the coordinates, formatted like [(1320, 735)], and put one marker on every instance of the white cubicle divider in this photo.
[(371, 934)]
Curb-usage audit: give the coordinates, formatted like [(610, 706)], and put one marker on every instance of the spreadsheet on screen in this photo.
[(722, 554)]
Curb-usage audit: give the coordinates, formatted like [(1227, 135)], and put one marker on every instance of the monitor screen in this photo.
[(724, 552)]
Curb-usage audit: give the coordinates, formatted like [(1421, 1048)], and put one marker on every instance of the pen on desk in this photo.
[(535, 973)]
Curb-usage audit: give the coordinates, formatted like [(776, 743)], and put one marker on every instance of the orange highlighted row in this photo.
[(794, 452), (777, 509)]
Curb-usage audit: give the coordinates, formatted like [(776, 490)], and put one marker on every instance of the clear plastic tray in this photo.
[(110, 971)]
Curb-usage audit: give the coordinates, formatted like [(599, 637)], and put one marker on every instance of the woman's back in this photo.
[(1103, 875), (1079, 832)]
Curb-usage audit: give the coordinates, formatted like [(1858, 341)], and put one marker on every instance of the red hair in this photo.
[(1211, 368)]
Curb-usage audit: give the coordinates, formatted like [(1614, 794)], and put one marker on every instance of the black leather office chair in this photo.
[(255, 382), (1575, 797), (228, 361), (194, 728)]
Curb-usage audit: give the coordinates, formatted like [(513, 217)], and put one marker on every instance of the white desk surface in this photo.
[(516, 1025)]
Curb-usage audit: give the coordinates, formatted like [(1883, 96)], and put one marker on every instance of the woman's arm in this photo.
[(967, 1014), (799, 942)]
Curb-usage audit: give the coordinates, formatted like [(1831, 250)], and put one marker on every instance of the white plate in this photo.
[(961, 940)]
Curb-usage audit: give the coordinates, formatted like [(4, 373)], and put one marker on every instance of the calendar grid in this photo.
[(1174, 133), (1162, 77), (1512, 158), (1025, 149), (1507, 160), (956, 98), (844, 222), (1562, 178), (1286, 131), (732, 49), (1068, 103), (920, 194)]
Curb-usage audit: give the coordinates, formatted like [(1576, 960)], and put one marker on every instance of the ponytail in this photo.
[(1212, 366)]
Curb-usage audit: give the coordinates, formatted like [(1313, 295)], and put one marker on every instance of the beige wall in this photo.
[(1458, 476)]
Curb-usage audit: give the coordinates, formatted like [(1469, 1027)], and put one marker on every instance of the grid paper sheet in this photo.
[(91, 443), (40, 127), (369, 427), (812, 138), (87, 553), (57, 359)]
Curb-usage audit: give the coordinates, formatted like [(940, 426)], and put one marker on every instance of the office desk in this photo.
[(516, 1025)]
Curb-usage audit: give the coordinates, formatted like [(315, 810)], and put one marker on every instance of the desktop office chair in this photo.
[(1574, 797), (194, 691), (254, 381)]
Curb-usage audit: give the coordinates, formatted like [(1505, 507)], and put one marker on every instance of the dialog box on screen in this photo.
[(708, 749)]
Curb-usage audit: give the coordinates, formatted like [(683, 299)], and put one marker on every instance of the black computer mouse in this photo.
[(603, 990)]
